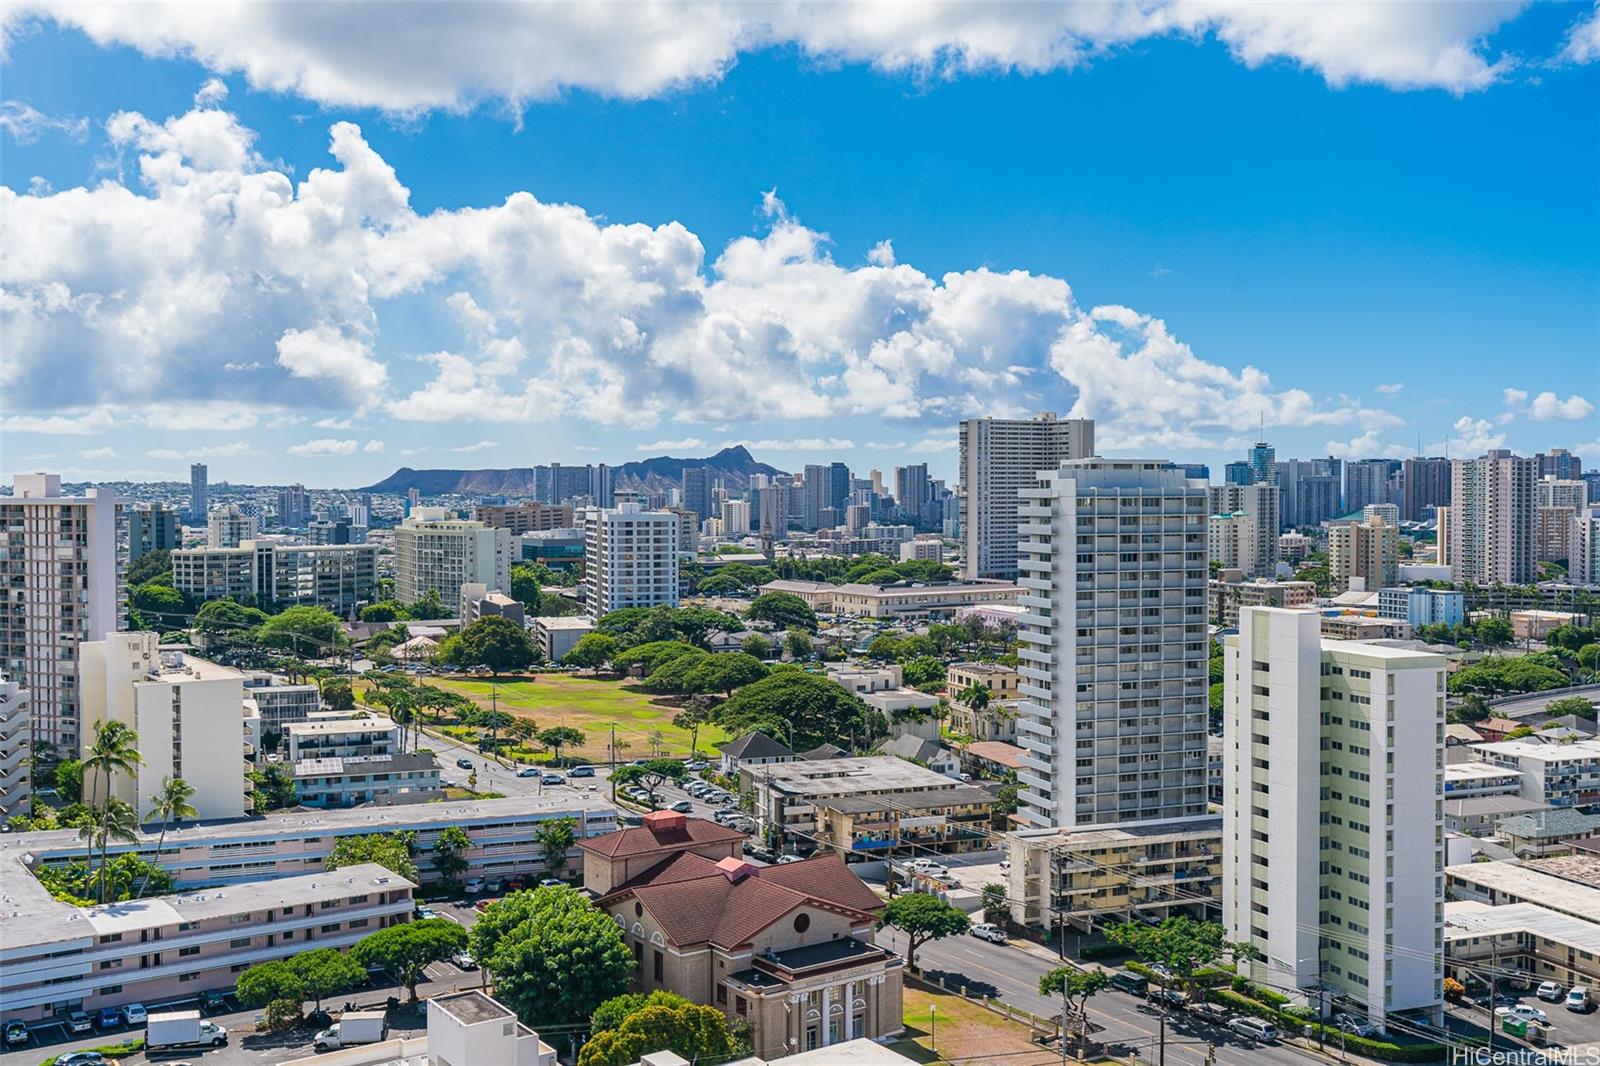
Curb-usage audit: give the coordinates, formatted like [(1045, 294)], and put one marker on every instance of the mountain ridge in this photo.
[(734, 465)]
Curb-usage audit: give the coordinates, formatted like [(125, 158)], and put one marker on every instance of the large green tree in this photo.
[(326, 972), (271, 788), (695, 1031), (553, 954), (309, 632), (268, 981), (1182, 944), (922, 918), (227, 622), (161, 606), (819, 709), (782, 610), (592, 651), (560, 736), (1074, 985), (498, 643), (169, 804), (449, 854), (650, 774), (525, 586), (405, 950), (395, 852), (555, 837)]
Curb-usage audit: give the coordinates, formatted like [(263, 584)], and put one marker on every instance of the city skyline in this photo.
[(822, 247)]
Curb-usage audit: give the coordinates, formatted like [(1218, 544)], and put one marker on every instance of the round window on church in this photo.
[(638, 910), (802, 922)]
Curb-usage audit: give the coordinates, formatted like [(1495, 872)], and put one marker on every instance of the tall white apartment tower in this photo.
[(60, 585), (998, 457), (16, 778), (1113, 673), (1489, 533), (229, 527), (630, 558), (1333, 813), (189, 714), (1252, 544), (435, 551), (1583, 547), (199, 494)]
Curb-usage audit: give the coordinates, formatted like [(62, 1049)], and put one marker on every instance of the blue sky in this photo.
[(550, 240)]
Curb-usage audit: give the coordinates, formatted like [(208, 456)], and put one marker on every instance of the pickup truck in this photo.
[(182, 1029), (353, 1027)]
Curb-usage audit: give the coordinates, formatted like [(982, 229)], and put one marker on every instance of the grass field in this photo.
[(592, 705), (963, 1032)]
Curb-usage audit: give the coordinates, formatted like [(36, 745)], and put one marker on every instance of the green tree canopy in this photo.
[(560, 736), (922, 918), (614, 1011), (149, 567), (161, 606), (695, 1031), (757, 645), (309, 632), (820, 710), (406, 949), (650, 774), (1571, 637), (783, 610), (271, 788), (1498, 674), (555, 837), (923, 670), (1577, 705), (797, 642), (69, 780), (655, 654), (1493, 632), (326, 972), (337, 691), (267, 981), (227, 621), (498, 643), (592, 651), (385, 611), (525, 586), (449, 853), (554, 955), (392, 851), (1182, 944)]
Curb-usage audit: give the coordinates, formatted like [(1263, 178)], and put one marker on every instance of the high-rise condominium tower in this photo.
[(1113, 568), (697, 490), (998, 457), (433, 550), (229, 527), (152, 527), (1488, 532), (1367, 481), (1248, 538), (1261, 457), (60, 585), (1424, 485), (630, 558), (1333, 811), (199, 496)]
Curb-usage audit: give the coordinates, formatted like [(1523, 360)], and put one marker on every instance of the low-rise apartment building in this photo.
[(278, 703), (558, 634), (997, 720), (464, 1028), (897, 600), (60, 958), (796, 801), (341, 738), (1062, 877), (1464, 779), (1560, 775), (786, 948), (1418, 605), (410, 777), (1501, 883), (1484, 941), (1230, 591)]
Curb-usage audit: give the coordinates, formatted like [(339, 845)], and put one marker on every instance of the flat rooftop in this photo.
[(363, 765), (339, 726), (556, 621), (860, 775), (1469, 771), (1527, 883), (1467, 919), (175, 667), (472, 1007), (1541, 751), (961, 795), (1195, 827)]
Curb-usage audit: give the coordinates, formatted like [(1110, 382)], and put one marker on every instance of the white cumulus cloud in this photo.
[(324, 446), (1583, 40), (684, 445), (455, 56), (26, 123)]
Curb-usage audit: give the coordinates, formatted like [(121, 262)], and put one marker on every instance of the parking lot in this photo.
[(1567, 1029)]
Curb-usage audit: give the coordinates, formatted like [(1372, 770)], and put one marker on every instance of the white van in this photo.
[(1254, 1029)]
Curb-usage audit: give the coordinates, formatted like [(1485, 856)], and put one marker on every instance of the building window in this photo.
[(110, 990), (802, 922), (186, 977), (659, 966), (239, 942), (184, 953), (741, 1006)]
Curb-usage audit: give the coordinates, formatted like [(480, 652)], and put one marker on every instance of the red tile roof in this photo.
[(694, 902), (642, 840)]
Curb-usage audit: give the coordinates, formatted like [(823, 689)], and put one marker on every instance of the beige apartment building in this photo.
[(787, 948), (526, 517), (1364, 555), (434, 551), (1487, 533), (889, 601), (60, 958), (1230, 592)]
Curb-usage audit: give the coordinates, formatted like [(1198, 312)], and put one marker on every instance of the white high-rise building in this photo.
[(1488, 534), (735, 518), (1113, 647), (189, 714), (60, 585), (1248, 541), (1333, 813), (340, 577), (433, 550), (16, 778), (630, 558), (1583, 547), (228, 527), (998, 457)]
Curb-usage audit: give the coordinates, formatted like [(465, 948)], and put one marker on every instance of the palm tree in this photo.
[(170, 804), (120, 822), (115, 750)]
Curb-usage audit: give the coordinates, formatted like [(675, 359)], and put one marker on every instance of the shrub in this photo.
[(1101, 951), (110, 1051)]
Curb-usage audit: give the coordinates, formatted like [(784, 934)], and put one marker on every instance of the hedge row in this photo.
[(110, 1051), (1293, 1020), (1101, 951)]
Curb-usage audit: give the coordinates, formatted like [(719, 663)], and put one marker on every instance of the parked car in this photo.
[(1254, 1029), (213, 1001), (1527, 1012), (782, 859), (482, 905), (474, 885), (1578, 999), (683, 807), (464, 961), (17, 1034), (496, 884), (79, 1022), (1170, 998), (82, 1058), (1130, 982), (1215, 1013), (552, 882), (464, 763), (554, 779), (426, 912), (135, 1014), (990, 932), (1352, 1024), (1550, 992), (529, 771), (581, 771), (108, 1018), (697, 765)]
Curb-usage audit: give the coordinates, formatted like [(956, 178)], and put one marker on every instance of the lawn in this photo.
[(592, 705), (964, 1032)]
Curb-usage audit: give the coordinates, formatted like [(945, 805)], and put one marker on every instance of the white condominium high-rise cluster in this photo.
[(1112, 564), (1243, 527), (1333, 808), (999, 456), (630, 557), (60, 585), (1487, 533), (229, 527)]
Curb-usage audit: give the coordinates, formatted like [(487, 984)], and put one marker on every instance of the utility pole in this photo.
[(1063, 1023), (1163, 1052)]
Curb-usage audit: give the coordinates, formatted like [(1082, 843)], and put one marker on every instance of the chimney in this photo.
[(659, 822)]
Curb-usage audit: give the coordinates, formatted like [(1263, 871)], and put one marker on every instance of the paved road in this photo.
[(1011, 973)]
